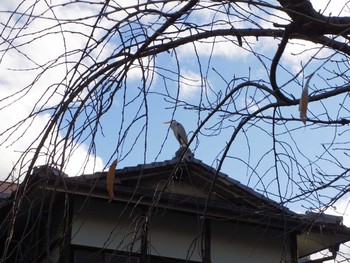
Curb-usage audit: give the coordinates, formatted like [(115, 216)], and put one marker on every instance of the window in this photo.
[(113, 258), (82, 255), (87, 256), (90, 255)]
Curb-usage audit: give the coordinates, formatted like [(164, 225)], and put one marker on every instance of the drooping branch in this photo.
[(312, 22)]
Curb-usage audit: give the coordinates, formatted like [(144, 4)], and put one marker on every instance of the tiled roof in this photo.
[(207, 172), (7, 188), (166, 167)]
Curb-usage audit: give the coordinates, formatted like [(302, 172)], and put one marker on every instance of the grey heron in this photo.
[(179, 132)]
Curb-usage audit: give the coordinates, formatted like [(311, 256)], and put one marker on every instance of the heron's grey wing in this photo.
[(182, 136)]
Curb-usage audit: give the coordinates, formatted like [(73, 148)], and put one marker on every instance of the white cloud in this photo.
[(333, 8), (18, 72), (223, 47), (80, 159), (249, 104), (299, 53), (39, 46), (341, 208), (190, 85), (227, 46)]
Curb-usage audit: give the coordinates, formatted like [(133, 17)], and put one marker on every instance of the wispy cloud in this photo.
[(191, 84), (334, 8), (19, 68)]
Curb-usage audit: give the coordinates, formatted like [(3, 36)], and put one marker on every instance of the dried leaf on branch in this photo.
[(110, 180), (304, 100)]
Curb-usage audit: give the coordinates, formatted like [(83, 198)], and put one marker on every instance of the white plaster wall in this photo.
[(175, 235), (105, 225), (235, 242)]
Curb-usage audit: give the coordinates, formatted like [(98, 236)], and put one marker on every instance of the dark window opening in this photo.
[(90, 255), (98, 256)]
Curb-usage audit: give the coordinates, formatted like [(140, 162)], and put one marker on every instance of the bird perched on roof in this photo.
[(179, 132)]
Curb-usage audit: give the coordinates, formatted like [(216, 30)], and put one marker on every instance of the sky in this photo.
[(20, 67)]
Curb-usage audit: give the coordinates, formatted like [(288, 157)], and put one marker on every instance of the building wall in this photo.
[(175, 235), (235, 242), (105, 225)]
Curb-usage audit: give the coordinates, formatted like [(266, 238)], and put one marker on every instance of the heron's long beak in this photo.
[(168, 122)]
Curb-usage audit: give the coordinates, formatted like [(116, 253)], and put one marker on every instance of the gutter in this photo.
[(333, 249)]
